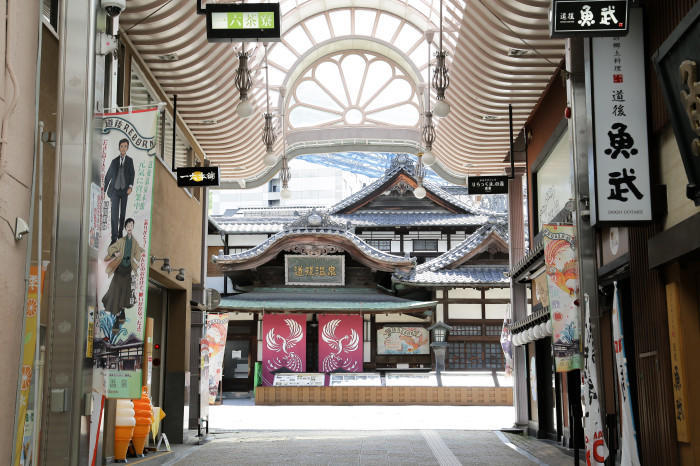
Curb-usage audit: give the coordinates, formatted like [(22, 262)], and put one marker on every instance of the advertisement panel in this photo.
[(563, 287), (623, 186), (126, 185), (340, 343), (217, 329), (284, 345), (403, 340)]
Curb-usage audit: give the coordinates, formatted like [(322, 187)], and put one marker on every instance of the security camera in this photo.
[(21, 228), (114, 7)]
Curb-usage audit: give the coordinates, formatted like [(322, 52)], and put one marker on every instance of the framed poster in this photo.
[(403, 340)]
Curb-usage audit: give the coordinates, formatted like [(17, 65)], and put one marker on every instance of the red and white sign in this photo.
[(340, 343), (284, 345)]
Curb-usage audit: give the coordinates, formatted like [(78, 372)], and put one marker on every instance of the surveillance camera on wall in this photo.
[(114, 7)]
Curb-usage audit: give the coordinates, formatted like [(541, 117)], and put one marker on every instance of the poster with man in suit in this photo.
[(119, 182)]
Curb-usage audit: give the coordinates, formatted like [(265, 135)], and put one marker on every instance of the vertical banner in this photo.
[(620, 121), (217, 330), (126, 185), (23, 438), (562, 284), (284, 344), (675, 340), (507, 343), (630, 455), (596, 449), (340, 343)]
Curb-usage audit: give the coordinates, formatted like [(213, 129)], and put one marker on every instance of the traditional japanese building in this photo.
[(394, 262)]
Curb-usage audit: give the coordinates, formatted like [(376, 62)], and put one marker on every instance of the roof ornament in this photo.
[(401, 162), (314, 219)]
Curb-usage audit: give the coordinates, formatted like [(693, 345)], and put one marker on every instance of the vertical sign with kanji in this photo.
[(126, 185), (620, 121)]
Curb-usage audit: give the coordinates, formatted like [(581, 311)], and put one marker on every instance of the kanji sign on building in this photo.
[(619, 111), (242, 21), (569, 18), (488, 184)]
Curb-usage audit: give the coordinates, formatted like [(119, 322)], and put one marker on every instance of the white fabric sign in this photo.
[(630, 455), (596, 448), (620, 120)]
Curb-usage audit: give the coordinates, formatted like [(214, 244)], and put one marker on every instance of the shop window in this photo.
[(493, 356), (466, 330), (381, 244), (425, 245)]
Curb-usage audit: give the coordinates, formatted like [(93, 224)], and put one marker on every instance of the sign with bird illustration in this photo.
[(340, 343), (284, 345)]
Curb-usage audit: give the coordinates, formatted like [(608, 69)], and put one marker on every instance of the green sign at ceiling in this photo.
[(314, 270), (243, 20)]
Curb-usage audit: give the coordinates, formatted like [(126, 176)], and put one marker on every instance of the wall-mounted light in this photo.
[(180, 275), (166, 263)]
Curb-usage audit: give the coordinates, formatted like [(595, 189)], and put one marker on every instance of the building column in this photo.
[(580, 130), (73, 268), (518, 293)]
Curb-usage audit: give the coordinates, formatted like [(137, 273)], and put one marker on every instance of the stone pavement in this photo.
[(400, 447)]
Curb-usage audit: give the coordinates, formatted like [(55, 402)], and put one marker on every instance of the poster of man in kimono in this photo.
[(124, 209)]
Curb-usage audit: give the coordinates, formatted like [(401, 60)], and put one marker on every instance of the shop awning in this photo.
[(321, 300)]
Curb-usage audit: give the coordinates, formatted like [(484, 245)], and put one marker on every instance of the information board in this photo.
[(299, 379)]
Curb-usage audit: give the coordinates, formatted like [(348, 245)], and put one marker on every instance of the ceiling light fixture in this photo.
[(243, 83), (285, 173), (268, 136), (513, 52), (441, 77), (428, 128)]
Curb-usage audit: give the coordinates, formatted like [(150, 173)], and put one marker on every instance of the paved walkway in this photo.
[(244, 434)]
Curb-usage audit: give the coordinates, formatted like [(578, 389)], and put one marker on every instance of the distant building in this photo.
[(407, 262)]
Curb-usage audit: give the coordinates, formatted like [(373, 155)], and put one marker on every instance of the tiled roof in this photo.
[(363, 219), (469, 274), (435, 271), (466, 246), (326, 231)]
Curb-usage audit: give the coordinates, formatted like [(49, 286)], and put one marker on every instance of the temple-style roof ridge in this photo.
[(406, 166), (470, 243), (435, 272), (339, 232)]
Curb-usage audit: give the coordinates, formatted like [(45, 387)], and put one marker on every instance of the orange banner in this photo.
[(23, 438)]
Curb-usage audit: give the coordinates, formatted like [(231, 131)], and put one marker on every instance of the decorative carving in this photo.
[(401, 188), (691, 99), (316, 219), (402, 161), (308, 249)]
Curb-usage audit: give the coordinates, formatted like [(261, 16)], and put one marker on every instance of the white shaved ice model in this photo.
[(287, 358), (338, 358)]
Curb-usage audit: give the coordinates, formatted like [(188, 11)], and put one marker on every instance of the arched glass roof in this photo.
[(479, 36)]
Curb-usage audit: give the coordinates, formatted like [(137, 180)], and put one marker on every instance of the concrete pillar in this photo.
[(68, 379), (16, 161), (518, 293)]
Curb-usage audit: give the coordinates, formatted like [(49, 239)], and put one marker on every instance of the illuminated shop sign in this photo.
[(243, 22), (569, 18)]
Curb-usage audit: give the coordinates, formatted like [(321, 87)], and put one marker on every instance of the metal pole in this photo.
[(512, 155), (174, 128)]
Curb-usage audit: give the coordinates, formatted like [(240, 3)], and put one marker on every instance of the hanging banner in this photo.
[(284, 345), (596, 449), (630, 455), (23, 436), (620, 119), (675, 340), (562, 285), (506, 343), (340, 343), (126, 185), (217, 330)]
